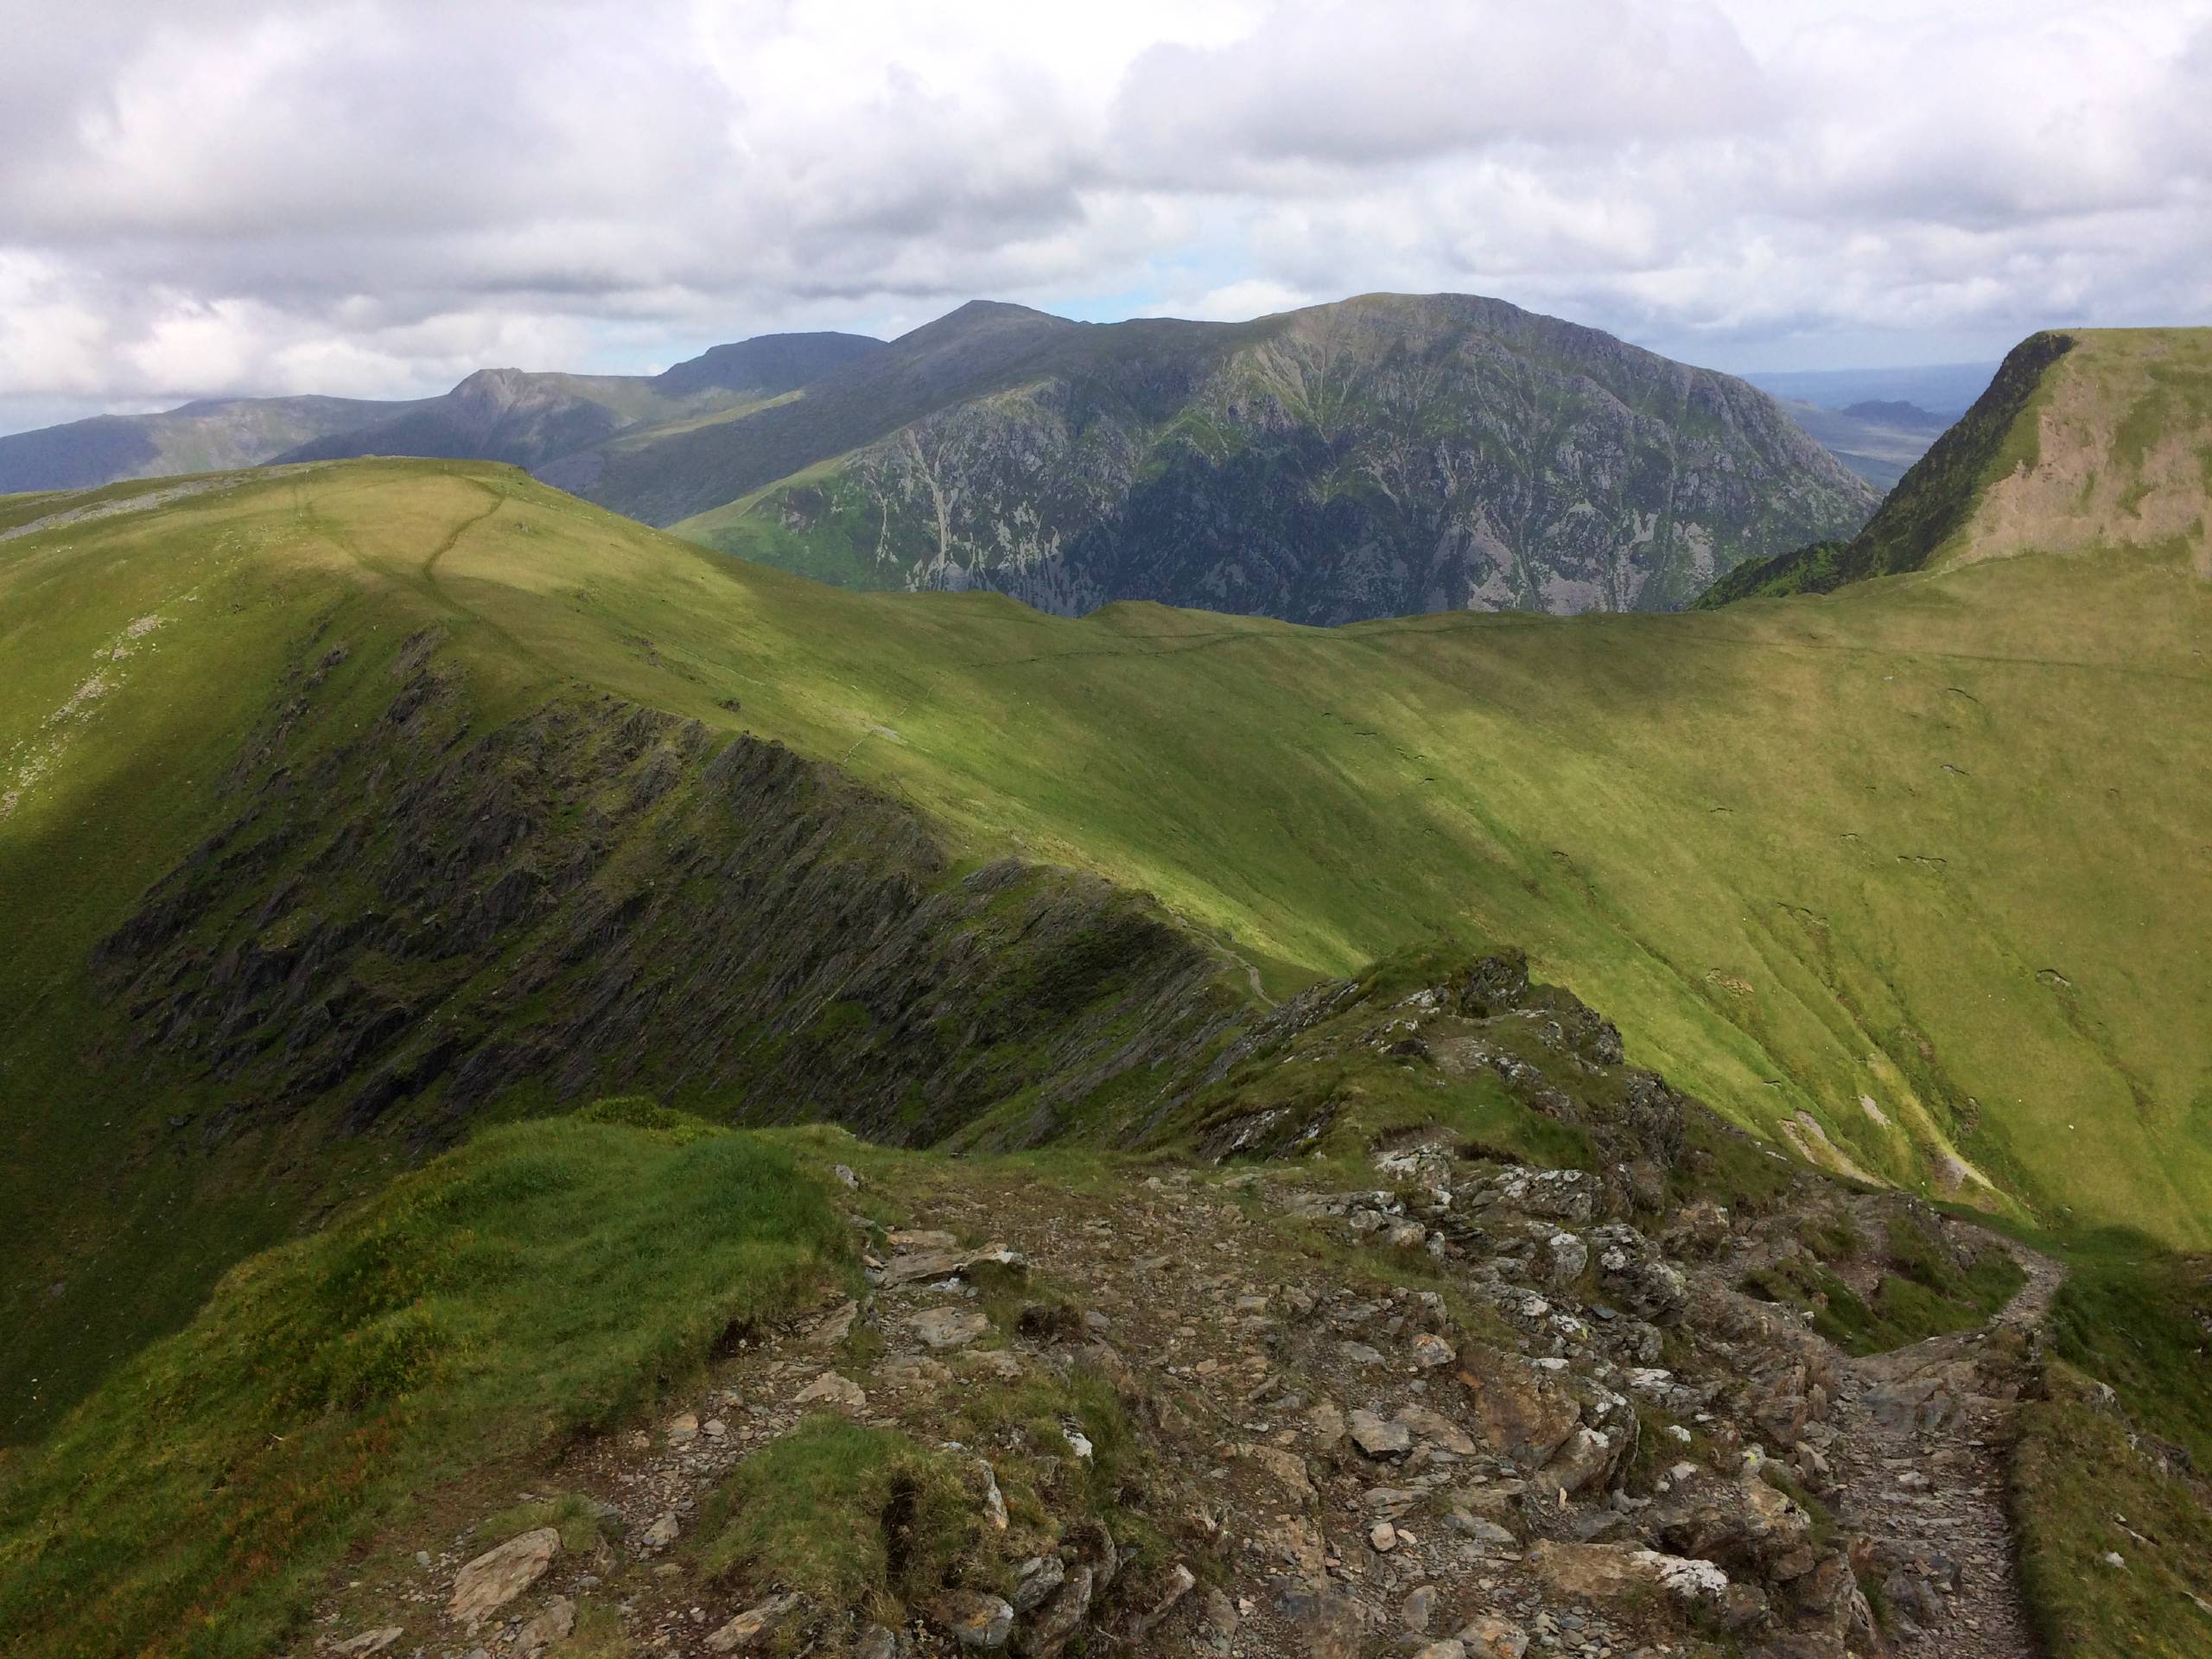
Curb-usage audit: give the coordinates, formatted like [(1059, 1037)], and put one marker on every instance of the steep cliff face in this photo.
[(1383, 456)]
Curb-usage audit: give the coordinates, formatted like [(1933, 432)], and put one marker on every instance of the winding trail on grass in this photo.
[(1920, 1467)]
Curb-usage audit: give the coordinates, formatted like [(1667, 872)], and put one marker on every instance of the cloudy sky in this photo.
[(375, 198)]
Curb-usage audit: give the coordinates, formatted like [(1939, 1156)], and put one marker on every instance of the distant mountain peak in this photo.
[(1373, 456), (1890, 411)]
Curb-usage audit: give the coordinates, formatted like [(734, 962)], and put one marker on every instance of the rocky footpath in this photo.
[(1460, 1407), (1920, 1474)]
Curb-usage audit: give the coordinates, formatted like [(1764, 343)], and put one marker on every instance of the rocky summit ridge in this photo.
[(1470, 1408)]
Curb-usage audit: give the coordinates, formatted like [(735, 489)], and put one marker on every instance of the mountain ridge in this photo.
[(1379, 455), (1382, 454), (221, 434), (1603, 789)]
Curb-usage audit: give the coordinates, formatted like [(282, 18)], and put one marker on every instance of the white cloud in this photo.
[(376, 196)]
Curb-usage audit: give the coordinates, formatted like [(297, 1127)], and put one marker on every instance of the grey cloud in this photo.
[(1348, 86), (375, 197)]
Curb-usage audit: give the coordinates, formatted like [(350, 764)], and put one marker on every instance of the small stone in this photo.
[(1378, 1438), (661, 1533), (2114, 1559), (1325, 1423), (682, 1430), (983, 1624), (1431, 1351), (911, 1372), (994, 1500), (1035, 1581), (913, 1240), (832, 1389), (948, 1327), (750, 1627), (1447, 1650), (845, 1173), (1061, 1616), (876, 1641), (368, 1641), (499, 1575), (1418, 1608), (928, 1266), (1384, 1536), (1437, 1430), (1180, 1582), (1217, 1623), (833, 1327), (1487, 1535), (551, 1625), (1565, 1257), (1489, 1637)]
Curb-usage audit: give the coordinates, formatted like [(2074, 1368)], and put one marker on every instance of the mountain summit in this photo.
[(1383, 455)]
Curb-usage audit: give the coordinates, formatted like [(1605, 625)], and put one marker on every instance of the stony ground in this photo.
[(1921, 1434), (1462, 1415)]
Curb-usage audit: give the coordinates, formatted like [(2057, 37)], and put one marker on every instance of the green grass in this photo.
[(575, 1518), (1922, 1292), (844, 1512), (1735, 834), (546, 1280), (2086, 1478)]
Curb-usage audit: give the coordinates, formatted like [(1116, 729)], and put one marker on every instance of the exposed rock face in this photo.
[(1385, 455), (1522, 1414)]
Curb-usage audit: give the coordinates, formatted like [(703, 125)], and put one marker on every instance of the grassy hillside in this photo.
[(1897, 871)]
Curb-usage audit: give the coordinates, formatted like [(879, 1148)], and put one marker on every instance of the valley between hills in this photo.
[(564, 1090)]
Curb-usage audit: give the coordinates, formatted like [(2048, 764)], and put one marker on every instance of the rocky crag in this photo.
[(1469, 1407)]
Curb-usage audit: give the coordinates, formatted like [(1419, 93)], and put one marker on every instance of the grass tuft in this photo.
[(544, 1280)]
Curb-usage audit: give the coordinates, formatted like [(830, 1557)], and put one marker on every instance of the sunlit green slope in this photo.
[(1915, 860)]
